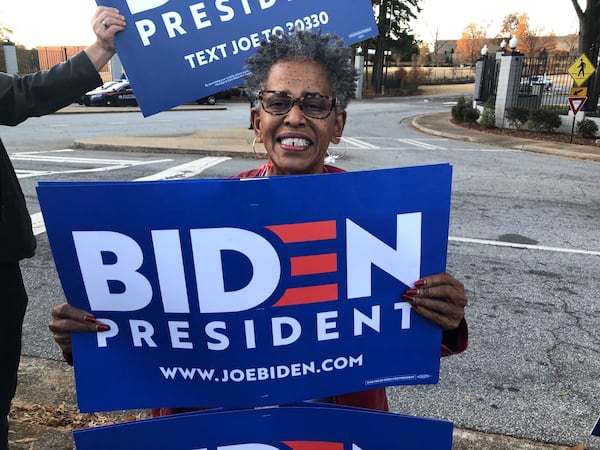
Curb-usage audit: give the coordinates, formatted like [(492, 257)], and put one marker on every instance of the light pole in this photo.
[(10, 56), (359, 63), (513, 44)]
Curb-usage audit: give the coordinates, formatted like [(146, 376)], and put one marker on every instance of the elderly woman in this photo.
[(302, 83)]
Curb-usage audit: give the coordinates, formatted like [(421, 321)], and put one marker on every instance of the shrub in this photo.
[(488, 116), (458, 109), (543, 120), (587, 129), (471, 114), (464, 112), (517, 116)]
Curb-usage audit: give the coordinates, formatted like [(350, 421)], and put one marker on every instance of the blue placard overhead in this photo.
[(242, 293), (178, 51), (288, 428)]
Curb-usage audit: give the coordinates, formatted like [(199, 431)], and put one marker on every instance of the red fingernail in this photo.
[(102, 327), (408, 298), (89, 318), (412, 291), (419, 283)]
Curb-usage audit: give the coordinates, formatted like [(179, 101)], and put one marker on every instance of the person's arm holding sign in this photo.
[(44, 92), (106, 23)]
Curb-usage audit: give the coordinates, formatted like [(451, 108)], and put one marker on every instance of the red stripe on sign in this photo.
[(305, 232), (314, 264), (304, 445), (309, 294)]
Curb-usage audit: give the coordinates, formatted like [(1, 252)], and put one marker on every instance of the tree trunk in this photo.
[(380, 48), (589, 43)]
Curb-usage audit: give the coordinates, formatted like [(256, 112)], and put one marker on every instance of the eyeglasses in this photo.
[(315, 106)]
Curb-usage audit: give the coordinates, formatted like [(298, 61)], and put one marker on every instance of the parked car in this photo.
[(225, 94), (208, 100), (114, 93), (533, 80)]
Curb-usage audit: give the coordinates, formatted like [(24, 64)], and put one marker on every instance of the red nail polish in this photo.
[(419, 283), (408, 298), (89, 318), (412, 291), (102, 327)]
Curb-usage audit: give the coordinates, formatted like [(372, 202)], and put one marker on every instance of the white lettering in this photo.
[(199, 16), (207, 245), (222, 6), (323, 325), (250, 334), (146, 28), (222, 341), (172, 21), (250, 446), (373, 322), (171, 274), (177, 334), (364, 250), (137, 6), (406, 310), (127, 258), (101, 337), (142, 331), (266, 4), (295, 330)]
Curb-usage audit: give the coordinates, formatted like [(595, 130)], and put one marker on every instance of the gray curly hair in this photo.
[(327, 50)]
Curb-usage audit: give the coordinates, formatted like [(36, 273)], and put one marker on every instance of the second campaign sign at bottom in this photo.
[(242, 293)]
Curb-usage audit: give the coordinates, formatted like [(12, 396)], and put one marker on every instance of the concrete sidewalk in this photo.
[(44, 408)]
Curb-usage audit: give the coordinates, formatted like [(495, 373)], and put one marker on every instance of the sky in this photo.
[(67, 22), (448, 18)]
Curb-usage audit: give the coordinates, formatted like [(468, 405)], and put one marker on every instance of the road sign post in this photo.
[(575, 103)]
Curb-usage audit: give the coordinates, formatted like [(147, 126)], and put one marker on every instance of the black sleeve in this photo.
[(46, 91)]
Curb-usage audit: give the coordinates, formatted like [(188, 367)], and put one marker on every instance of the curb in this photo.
[(446, 129)]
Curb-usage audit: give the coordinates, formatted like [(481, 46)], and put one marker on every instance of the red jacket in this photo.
[(453, 342)]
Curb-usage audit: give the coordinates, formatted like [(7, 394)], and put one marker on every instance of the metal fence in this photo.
[(545, 83), (32, 60)]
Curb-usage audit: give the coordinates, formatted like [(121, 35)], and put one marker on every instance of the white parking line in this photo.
[(361, 144), (182, 171), (186, 170), (62, 160), (419, 143), (79, 160), (525, 246)]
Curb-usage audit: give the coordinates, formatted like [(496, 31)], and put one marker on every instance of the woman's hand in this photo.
[(67, 319), (440, 298)]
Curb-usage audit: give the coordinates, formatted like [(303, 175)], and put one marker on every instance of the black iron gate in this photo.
[(489, 78)]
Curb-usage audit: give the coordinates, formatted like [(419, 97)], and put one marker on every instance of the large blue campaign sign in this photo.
[(256, 292), (288, 428), (178, 51), (596, 429)]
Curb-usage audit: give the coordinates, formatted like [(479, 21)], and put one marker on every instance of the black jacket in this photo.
[(20, 98)]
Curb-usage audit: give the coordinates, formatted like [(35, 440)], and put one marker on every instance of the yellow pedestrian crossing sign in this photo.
[(581, 69)]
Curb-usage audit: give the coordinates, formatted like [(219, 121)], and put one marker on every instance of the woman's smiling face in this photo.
[(297, 144)]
